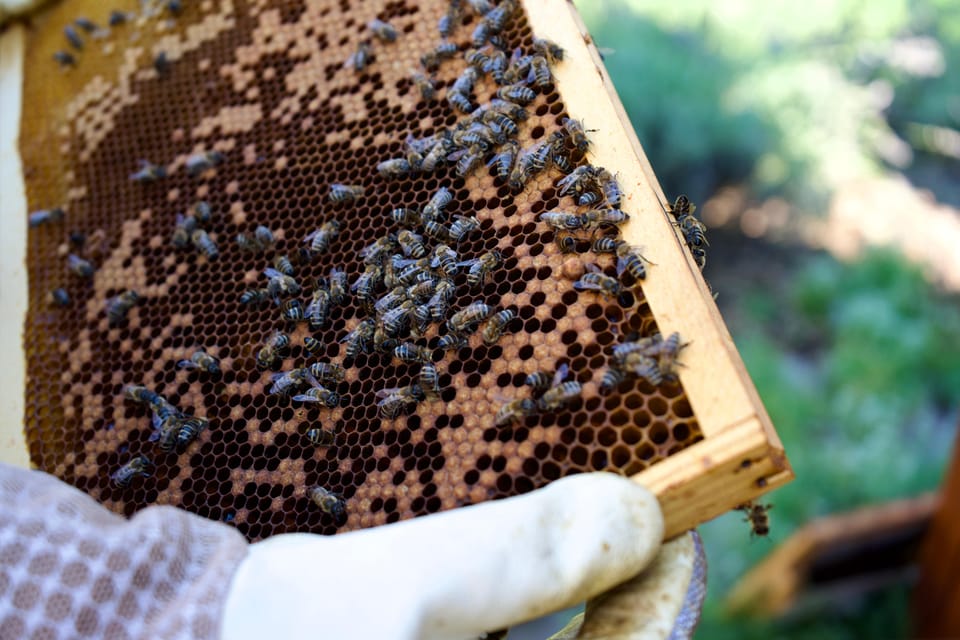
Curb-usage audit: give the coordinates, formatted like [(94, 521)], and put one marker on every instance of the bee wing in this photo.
[(312, 380), (591, 267), (272, 273), (187, 364), (580, 285), (561, 374), (386, 393), (312, 235), (304, 397)]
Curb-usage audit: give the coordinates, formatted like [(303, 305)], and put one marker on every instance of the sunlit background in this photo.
[(821, 140)]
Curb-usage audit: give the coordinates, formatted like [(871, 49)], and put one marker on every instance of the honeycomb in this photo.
[(264, 83)]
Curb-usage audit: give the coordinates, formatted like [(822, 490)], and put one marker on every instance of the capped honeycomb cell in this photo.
[(263, 109)]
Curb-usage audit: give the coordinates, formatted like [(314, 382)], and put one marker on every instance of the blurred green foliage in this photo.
[(858, 364), (792, 97), (859, 367)]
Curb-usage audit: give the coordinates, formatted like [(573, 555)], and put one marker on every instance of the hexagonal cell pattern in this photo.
[(265, 84)]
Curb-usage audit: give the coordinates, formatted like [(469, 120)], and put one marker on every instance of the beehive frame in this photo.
[(739, 455)]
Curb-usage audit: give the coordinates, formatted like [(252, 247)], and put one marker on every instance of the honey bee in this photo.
[(440, 300), (630, 260), (319, 394), (383, 30), (359, 59), (338, 285), (436, 231), (165, 434), (64, 59), (505, 158), (328, 371), (73, 37), (612, 377), (549, 50), (405, 216), (139, 393), (421, 290), (605, 244), (286, 381), (45, 216), (409, 352), (280, 284), (392, 401), (376, 251), (292, 311), (200, 162), (575, 131), (359, 338), (644, 367), (438, 202), (610, 187), (202, 241), (345, 192), (758, 517), (516, 93), (540, 381), (284, 266), (563, 220), (599, 282), (448, 21), (161, 63), (270, 352), (312, 345), (255, 296), (201, 360), (183, 230), (79, 266), (667, 353), (566, 244), (523, 170), (321, 238), (577, 181), (190, 430), (496, 65), (330, 503), (437, 154), (481, 34), (246, 243), (396, 319), (540, 73), (425, 85), (118, 306), (469, 317), (117, 18), (148, 172), (59, 297), (482, 266), (138, 466), (559, 395), (648, 346), (430, 380), (320, 437), (411, 244), (444, 51), (459, 93), (395, 168), (391, 300), (366, 283), (445, 259), (451, 342), (597, 218), (515, 411), (700, 257), (497, 324), (462, 225), (318, 309)]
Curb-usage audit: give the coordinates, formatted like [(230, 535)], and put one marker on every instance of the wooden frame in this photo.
[(740, 456)]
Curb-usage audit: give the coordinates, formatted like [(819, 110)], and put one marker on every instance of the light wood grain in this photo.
[(13, 230), (696, 484)]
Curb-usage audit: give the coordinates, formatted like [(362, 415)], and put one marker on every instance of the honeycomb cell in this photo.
[(290, 120)]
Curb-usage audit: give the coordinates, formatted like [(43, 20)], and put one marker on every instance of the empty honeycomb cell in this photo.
[(314, 128)]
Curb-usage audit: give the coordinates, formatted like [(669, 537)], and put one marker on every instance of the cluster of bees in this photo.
[(116, 18), (407, 285), (173, 429)]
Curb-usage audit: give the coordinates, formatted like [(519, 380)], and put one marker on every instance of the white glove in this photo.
[(451, 575)]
